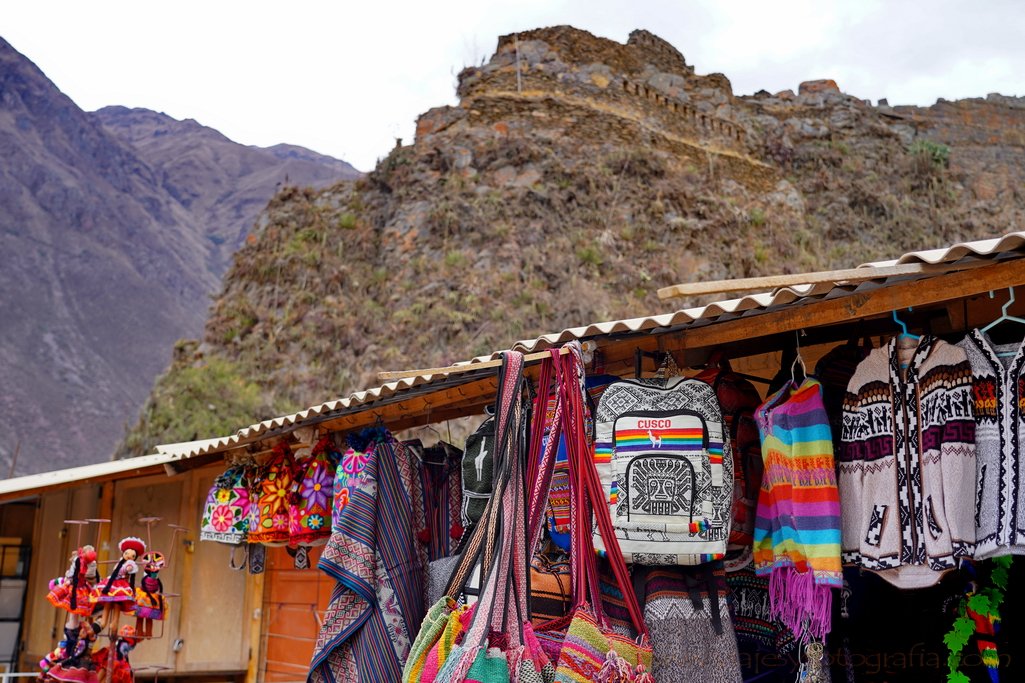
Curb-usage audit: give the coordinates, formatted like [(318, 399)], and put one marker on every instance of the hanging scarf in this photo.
[(378, 601), (797, 527)]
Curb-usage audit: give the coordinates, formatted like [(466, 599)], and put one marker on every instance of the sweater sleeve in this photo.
[(957, 462), (850, 475)]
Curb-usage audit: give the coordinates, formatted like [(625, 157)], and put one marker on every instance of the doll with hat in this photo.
[(115, 659), (150, 603), (120, 585)]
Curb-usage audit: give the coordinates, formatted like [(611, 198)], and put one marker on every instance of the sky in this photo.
[(346, 78)]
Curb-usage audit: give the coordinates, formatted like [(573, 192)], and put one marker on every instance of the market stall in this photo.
[(764, 599)]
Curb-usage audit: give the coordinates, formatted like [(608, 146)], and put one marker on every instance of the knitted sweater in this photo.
[(998, 386), (797, 528), (907, 468)]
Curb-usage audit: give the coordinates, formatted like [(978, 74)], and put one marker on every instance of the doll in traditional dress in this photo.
[(120, 668), (120, 585), (73, 592), (76, 664), (150, 604)]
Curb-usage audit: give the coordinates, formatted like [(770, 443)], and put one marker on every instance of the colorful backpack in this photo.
[(478, 473), (226, 513), (662, 458), (738, 400), (268, 518), (309, 510)]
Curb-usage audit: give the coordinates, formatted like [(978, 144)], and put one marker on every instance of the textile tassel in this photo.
[(802, 605), (615, 669), (643, 675)]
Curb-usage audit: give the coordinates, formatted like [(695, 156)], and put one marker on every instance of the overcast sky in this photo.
[(347, 77)]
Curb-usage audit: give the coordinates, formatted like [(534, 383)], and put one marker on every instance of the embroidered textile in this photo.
[(907, 469), (998, 399), (377, 606)]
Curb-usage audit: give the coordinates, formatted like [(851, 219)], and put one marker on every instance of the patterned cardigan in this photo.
[(907, 464), (999, 396)]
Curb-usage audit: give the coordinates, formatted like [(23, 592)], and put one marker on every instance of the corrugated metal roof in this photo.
[(22, 486), (1012, 241), (717, 311)]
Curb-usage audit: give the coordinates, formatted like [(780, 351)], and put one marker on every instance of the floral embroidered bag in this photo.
[(309, 511), (226, 513), (268, 519)]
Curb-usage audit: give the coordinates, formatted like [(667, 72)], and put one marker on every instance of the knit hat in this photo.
[(132, 543), (153, 561)]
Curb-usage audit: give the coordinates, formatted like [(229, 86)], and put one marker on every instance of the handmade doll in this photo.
[(75, 664), (150, 604), (116, 660), (118, 590), (73, 591)]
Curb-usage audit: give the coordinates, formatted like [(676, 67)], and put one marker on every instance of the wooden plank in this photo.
[(860, 305), (771, 282)]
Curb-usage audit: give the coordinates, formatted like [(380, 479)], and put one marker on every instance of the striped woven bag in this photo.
[(591, 650)]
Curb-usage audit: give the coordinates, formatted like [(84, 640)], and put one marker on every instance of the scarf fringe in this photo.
[(801, 604)]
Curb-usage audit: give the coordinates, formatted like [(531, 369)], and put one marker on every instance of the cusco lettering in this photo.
[(654, 424)]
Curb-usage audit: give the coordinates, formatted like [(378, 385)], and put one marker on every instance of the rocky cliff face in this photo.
[(113, 244), (575, 177)]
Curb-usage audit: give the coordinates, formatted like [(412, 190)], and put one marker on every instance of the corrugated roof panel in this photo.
[(33, 483), (1012, 241)]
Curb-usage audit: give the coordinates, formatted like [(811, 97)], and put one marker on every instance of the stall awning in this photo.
[(33, 484)]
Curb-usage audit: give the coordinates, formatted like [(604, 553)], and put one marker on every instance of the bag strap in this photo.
[(592, 501), (493, 605), (481, 545)]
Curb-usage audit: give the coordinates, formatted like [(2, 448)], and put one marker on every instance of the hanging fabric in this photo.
[(435, 644), (310, 499), (441, 482), (907, 472), (797, 531), (268, 517), (738, 400), (377, 603), (998, 401)]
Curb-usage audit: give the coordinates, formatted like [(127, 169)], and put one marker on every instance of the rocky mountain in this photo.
[(223, 184), (116, 227), (575, 177)]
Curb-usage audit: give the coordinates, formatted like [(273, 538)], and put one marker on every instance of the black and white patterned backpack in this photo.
[(666, 470)]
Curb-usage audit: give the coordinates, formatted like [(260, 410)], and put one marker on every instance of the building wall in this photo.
[(212, 607)]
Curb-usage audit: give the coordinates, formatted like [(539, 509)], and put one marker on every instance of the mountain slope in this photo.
[(567, 186), (222, 183), (105, 267)]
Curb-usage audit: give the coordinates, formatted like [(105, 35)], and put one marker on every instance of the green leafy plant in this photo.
[(986, 602)]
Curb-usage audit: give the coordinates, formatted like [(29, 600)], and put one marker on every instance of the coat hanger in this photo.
[(904, 327), (1005, 317), (798, 359), (904, 334)]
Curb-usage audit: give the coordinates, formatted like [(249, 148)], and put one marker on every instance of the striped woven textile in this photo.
[(377, 605), (797, 527)]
